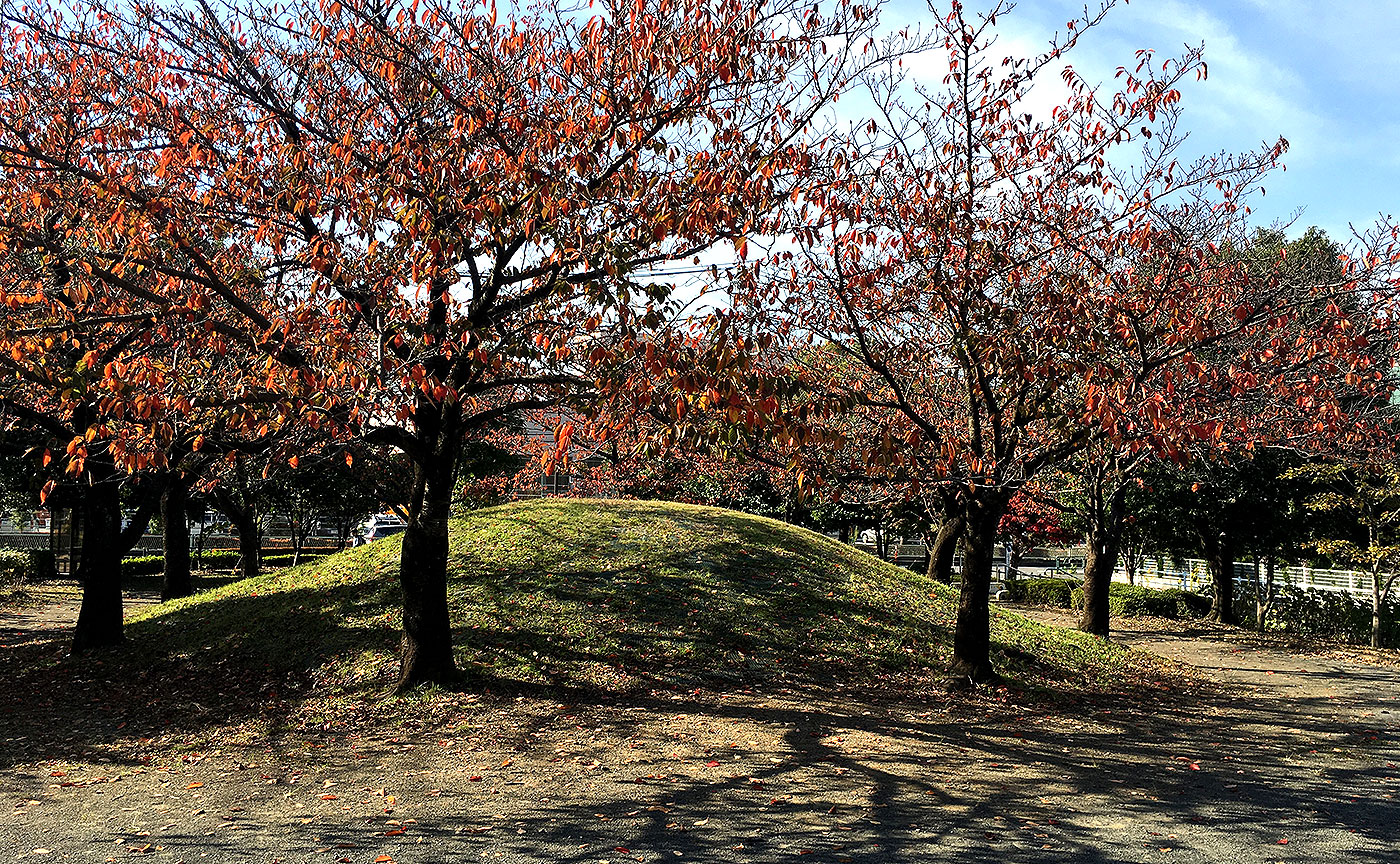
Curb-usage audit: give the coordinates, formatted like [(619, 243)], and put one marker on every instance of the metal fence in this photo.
[(153, 544), (1192, 574)]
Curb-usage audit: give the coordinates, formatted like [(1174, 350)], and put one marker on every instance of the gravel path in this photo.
[(1291, 759)]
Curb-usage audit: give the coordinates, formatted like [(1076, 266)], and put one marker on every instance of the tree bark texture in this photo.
[(249, 542), (1264, 594), (945, 545), (972, 661), (100, 566), (174, 515), (1220, 560), (1379, 591), (1103, 539), (426, 648)]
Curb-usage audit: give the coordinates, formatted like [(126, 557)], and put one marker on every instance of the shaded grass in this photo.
[(566, 597), (614, 596)]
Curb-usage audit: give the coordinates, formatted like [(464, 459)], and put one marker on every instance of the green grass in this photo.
[(559, 599), (619, 596)]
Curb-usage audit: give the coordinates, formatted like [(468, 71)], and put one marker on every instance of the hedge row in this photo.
[(1135, 601), (1127, 601), (25, 565), (1041, 592), (1326, 614), (146, 565)]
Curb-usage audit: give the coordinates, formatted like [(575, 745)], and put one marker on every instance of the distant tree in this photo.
[(1308, 276), (322, 488), (1222, 508), (1030, 521), (1368, 492)]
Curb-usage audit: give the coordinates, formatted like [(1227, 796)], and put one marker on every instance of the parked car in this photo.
[(378, 526)]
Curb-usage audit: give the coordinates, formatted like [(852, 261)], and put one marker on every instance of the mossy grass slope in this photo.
[(618, 596)]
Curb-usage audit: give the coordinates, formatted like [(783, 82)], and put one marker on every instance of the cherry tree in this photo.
[(432, 215), (992, 287)]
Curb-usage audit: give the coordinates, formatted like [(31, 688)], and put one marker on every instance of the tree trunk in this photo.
[(1264, 597), (945, 545), (1376, 606), (249, 542), (1131, 556), (1104, 538), (1099, 563), (174, 515), (1379, 608), (1221, 562), (100, 567), (972, 661), (426, 652)]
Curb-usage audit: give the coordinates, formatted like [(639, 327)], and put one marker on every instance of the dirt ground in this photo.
[(1288, 757)]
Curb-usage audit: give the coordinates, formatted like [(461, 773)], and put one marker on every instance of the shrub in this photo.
[(43, 564), (14, 566), (148, 565), (25, 565), (1189, 604), (1326, 614), (1135, 601), (1042, 592)]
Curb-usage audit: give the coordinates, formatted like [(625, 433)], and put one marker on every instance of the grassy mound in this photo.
[(614, 596), (557, 598)]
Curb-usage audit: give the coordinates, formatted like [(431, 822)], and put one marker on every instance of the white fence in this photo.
[(1193, 575)]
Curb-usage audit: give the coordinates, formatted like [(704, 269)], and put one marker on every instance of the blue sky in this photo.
[(1323, 75)]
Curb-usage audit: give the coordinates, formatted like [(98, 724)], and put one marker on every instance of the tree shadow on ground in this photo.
[(1217, 774), (872, 763), (719, 602)]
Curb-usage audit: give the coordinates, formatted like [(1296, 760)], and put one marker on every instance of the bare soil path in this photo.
[(1289, 758)]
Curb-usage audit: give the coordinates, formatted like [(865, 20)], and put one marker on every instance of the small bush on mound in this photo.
[(1136, 601), (1041, 592)]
